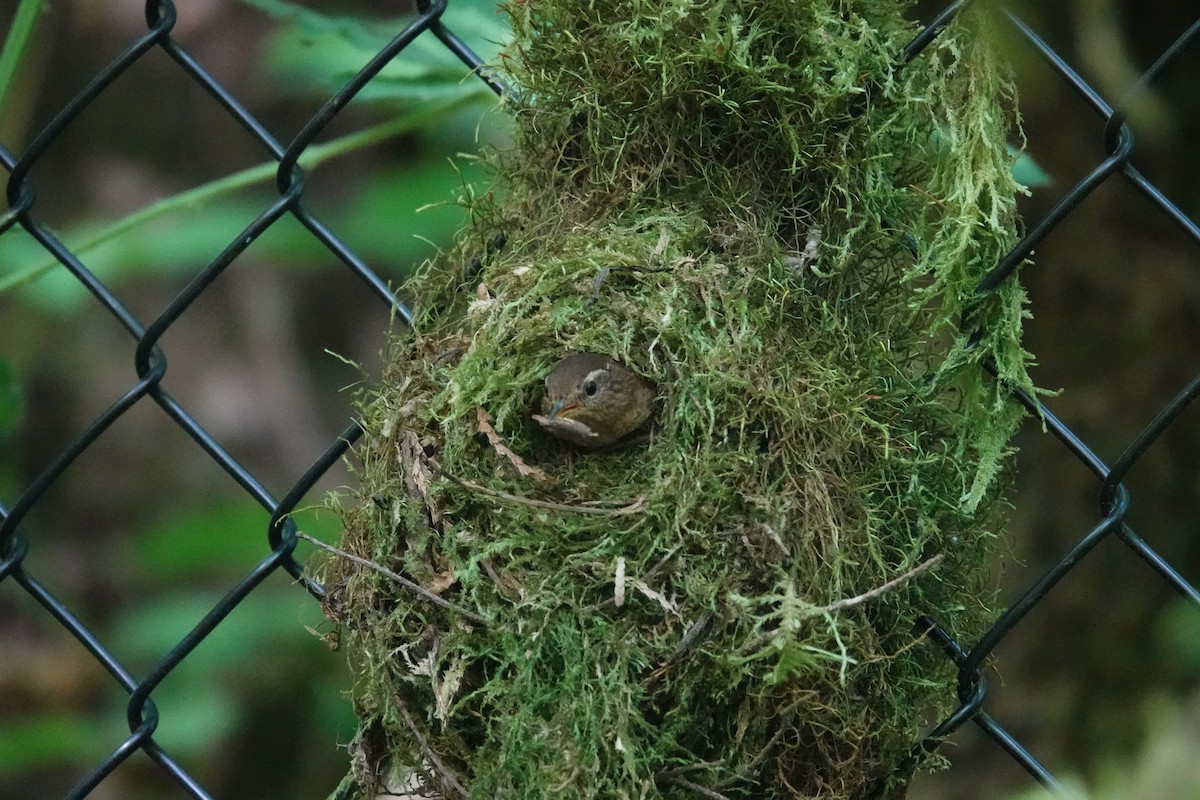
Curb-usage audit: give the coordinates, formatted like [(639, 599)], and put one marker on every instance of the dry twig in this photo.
[(848, 602), (412, 586), (704, 791)]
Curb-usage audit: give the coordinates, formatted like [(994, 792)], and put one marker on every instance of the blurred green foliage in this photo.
[(387, 188), (425, 92), (316, 50), (1164, 765)]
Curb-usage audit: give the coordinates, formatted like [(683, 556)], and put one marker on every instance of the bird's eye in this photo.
[(589, 388)]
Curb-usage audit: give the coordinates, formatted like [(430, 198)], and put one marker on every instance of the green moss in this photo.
[(754, 205)]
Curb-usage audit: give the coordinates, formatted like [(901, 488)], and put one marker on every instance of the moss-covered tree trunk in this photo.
[(756, 205)]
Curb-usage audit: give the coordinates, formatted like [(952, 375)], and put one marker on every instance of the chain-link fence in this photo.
[(1116, 125)]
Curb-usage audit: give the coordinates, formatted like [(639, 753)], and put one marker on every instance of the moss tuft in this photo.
[(755, 205)]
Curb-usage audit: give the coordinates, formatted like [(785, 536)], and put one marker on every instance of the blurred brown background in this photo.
[(144, 533), (1100, 680)]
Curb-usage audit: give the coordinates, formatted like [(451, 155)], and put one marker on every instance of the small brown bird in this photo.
[(592, 400)]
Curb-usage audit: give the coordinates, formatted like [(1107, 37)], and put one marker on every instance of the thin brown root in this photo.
[(629, 508), (447, 774)]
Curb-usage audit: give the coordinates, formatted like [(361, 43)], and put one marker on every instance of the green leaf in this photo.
[(1028, 172), (316, 53), (20, 33)]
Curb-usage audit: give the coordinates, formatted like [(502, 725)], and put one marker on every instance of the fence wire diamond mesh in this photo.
[(1115, 163)]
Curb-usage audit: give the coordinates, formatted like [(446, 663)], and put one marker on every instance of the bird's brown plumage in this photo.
[(592, 401)]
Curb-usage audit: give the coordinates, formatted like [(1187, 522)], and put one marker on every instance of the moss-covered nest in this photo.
[(758, 206)]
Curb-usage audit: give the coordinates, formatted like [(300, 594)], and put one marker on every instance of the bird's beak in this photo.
[(559, 408)]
